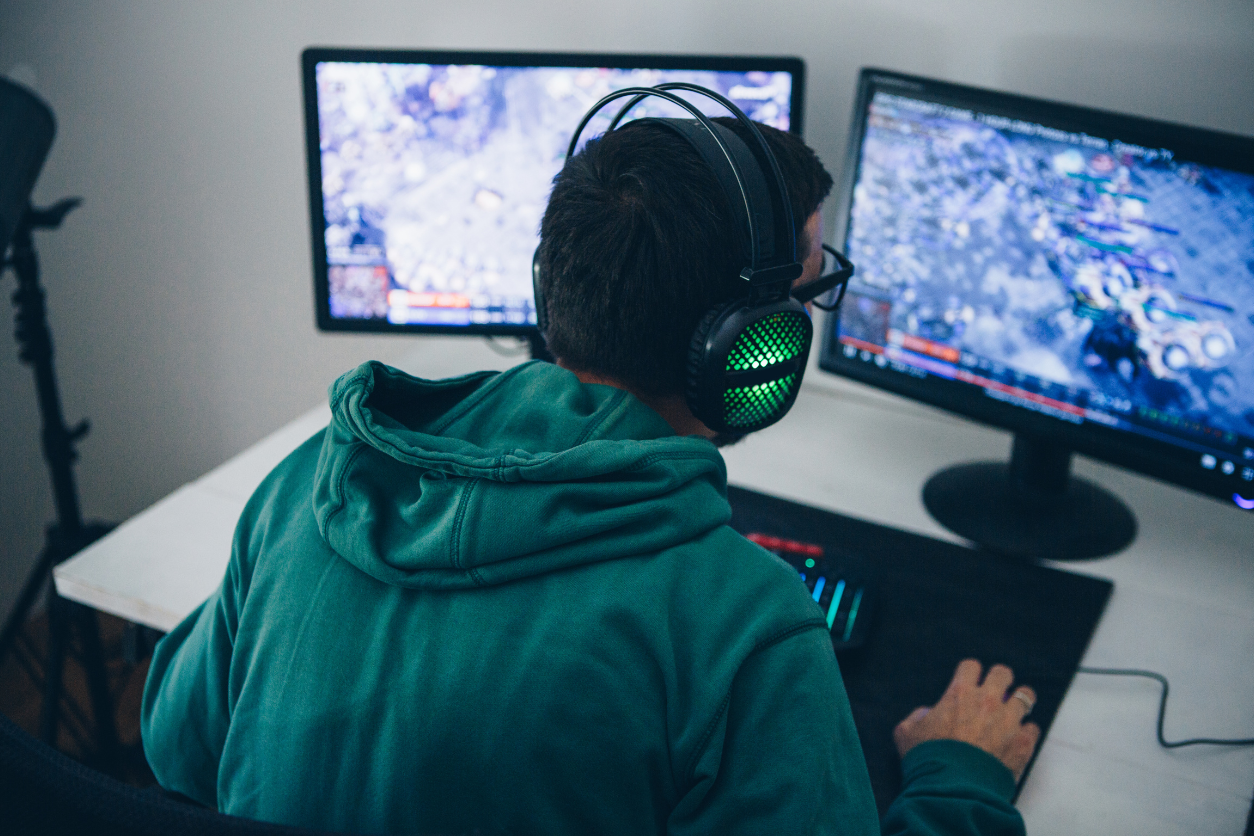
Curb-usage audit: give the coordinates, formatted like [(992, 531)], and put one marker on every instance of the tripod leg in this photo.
[(58, 634), (17, 618), (97, 685)]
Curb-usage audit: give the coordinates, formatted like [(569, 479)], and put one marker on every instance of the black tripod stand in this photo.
[(69, 534)]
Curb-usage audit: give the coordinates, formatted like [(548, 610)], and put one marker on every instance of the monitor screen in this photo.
[(1055, 270), (429, 172)]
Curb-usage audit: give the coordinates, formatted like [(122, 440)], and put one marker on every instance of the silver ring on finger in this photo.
[(1024, 696)]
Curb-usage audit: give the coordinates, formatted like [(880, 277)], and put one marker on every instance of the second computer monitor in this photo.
[(1082, 278)]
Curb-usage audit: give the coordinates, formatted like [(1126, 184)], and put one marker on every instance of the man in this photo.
[(510, 602)]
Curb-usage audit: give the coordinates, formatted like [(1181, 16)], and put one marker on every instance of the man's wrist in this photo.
[(946, 765)]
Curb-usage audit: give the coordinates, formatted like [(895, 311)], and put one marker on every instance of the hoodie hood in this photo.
[(487, 478)]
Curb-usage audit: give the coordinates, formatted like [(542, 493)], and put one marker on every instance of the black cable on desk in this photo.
[(504, 350), (1162, 710)]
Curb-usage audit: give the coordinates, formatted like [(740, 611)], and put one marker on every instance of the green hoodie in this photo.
[(510, 602)]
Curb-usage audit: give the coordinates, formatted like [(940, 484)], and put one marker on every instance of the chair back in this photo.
[(45, 793)]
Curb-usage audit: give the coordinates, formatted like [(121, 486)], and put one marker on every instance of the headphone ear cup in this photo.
[(746, 362), (696, 366), (542, 312)]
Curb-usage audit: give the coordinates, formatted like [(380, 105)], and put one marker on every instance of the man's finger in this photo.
[(917, 715), (911, 720), (966, 675), (1022, 747), (904, 733), (1024, 742), (998, 679), (1023, 697)]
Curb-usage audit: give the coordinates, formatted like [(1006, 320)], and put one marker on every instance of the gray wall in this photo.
[(180, 293)]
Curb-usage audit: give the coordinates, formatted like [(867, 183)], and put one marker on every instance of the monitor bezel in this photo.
[(312, 56), (1161, 460)]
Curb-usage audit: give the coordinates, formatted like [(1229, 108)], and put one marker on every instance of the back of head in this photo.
[(638, 242), (635, 244)]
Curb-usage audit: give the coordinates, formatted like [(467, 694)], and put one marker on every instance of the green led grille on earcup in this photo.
[(777, 338), (746, 362), (746, 406)]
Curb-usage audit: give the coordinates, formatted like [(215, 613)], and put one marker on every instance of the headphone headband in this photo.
[(754, 183), (776, 191), (781, 205)]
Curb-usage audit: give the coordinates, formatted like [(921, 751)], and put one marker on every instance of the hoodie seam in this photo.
[(458, 521), (343, 494), (357, 374), (490, 381), (612, 410), (497, 466), (642, 462), (654, 458), (763, 644), (788, 632), (304, 623), (706, 735)]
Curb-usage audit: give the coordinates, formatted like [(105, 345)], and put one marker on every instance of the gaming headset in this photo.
[(747, 356)]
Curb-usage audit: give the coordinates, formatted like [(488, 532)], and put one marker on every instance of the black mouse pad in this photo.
[(936, 604)]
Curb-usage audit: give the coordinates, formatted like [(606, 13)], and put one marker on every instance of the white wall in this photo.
[(180, 293)]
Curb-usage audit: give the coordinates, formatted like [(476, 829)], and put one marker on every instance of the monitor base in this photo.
[(1030, 507)]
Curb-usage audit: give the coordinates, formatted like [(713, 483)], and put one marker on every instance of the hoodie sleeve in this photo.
[(784, 757), (950, 787), (186, 707)]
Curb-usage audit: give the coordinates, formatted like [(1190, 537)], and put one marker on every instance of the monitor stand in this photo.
[(1031, 507)]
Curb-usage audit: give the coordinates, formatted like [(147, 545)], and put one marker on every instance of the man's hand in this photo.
[(982, 714)]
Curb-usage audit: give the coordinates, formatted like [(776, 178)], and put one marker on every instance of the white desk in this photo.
[(1181, 604)]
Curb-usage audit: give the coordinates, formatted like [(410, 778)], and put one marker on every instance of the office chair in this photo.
[(45, 793)]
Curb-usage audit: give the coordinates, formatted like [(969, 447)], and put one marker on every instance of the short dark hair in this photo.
[(638, 241)]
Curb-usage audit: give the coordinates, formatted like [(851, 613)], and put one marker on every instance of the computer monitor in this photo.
[(1081, 278), (429, 171)]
